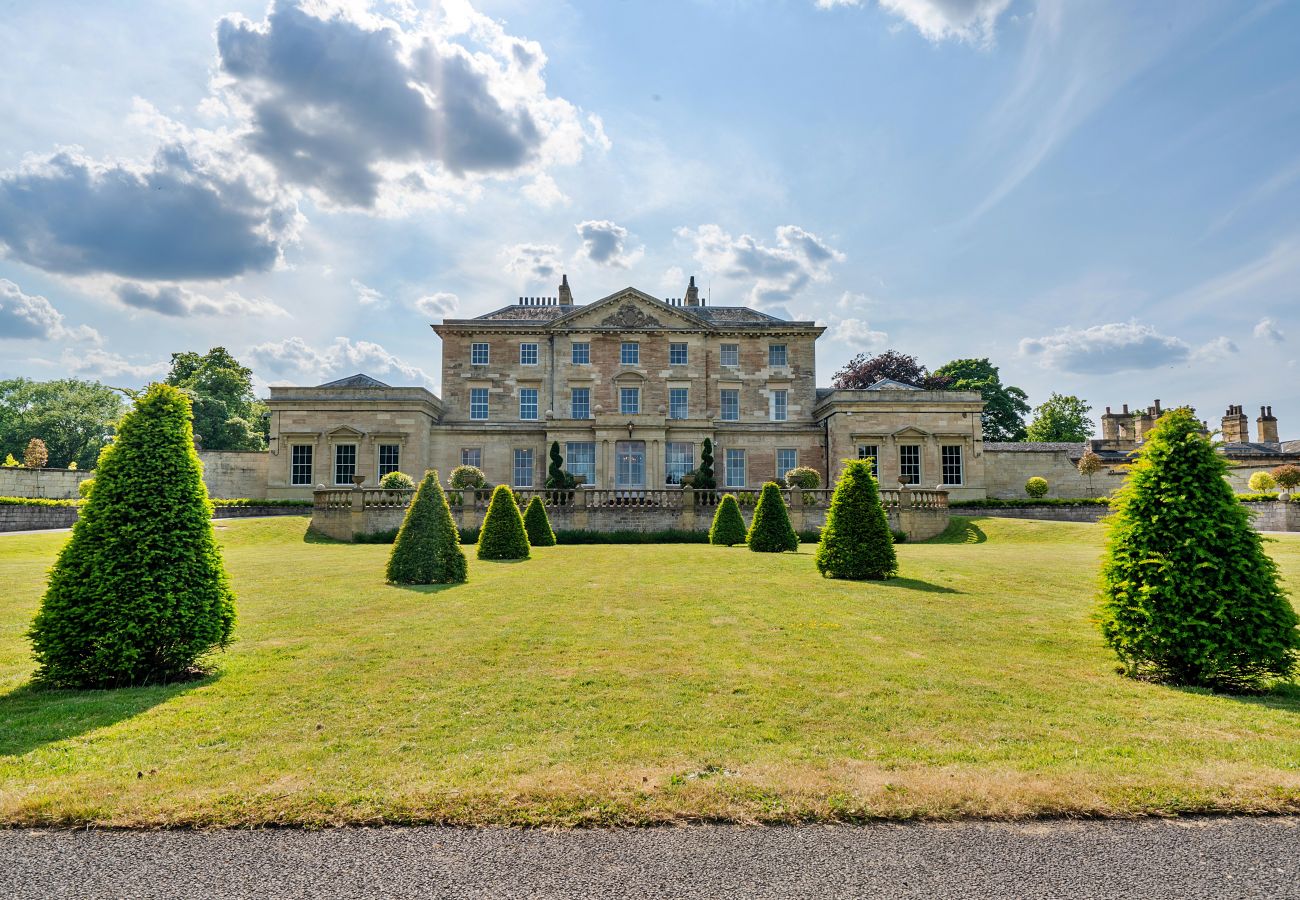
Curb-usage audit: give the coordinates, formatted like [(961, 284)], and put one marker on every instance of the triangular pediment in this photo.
[(911, 431), (345, 431), (628, 310)]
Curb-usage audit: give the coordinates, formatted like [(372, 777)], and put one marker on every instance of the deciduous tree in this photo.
[(1005, 406), (74, 418), (1061, 418), (227, 415)]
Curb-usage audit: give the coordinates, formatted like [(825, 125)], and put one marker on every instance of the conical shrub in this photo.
[(427, 549), (856, 542), (538, 525), (1188, 594), (728, 524), (503, 535), (139, 593), (771, 531)]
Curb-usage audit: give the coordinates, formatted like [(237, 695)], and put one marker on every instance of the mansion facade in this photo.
[(629, 386)]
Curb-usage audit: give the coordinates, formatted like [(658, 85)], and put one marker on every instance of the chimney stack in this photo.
[(1266, 426), (566, 295), (1236, 427), (692, 293)]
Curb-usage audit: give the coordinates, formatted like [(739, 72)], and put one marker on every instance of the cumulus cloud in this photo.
[(179, 301), (1216, 350), (1100, 349), (178, 217), (1267, 330), (438, 305), (779, 272), (535, 262), (368, 296), (857, 333), (295, 359), (345, 101), (31, 316), (605, 243), (103, 364), (973, 21)]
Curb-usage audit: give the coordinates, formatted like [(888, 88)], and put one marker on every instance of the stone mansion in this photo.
[(630, 386)]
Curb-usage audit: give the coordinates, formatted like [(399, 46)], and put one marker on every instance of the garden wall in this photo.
[(14, 517), (233, 473), (52, 484), (1265, 516)]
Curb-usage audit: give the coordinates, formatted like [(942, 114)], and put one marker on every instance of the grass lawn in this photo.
[(628, 684)]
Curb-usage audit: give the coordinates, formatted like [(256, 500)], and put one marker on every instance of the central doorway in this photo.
[(629, 464)]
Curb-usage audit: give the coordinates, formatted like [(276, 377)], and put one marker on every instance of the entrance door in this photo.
[(629, 467)]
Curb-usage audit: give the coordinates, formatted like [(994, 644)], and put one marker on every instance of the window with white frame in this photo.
[(779, 401), (730, 404), (478, 354), (909, 463), (580, 403), (345, 463), (735, 474), (523, 468), (679, 402), (950, 456), (679, 458), (776, 355), (786, 459), (580, 459), (478, 403), (676, 354), (528, 403), (730, 355), (580, 354), (471, 456), (300, 464), (528, 354), (629, 354), (870, 452), (390, 458), (629, 401)]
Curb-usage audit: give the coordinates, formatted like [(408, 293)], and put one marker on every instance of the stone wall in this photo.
[(1266, 516), (1006, 471), (53, 484), (233, 474), (34, 518)]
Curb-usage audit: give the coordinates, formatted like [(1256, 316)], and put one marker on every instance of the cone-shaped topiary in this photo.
[(538, 525), (139, 593), (1188, 594), (771, 531), (856, 542), (728, 524), (427, 549), (503, 535)]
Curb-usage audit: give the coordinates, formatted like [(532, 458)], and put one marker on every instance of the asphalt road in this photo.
[(1202, 858)]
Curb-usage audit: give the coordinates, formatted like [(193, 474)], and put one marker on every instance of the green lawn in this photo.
[(605, 684)]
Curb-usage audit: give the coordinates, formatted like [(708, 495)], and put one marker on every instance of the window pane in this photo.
[(735, 468), (580, 403), (580, 459), (730, 405), (909, 463), (345, 463), (630, 353), (478, 403), (581, 353), (778, 406), (300, 466), (731, 355), (678, 403), (678, 460), (390, 458), (676, 354), (472, 456), (776, 355), (785, 461), (528, 354), (629, 464), (629, 401), (528, 403), (523, 468), (478, 354), (951, 455), (871, 452)]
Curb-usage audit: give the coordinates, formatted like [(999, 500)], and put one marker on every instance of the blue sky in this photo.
[(1101, 197)]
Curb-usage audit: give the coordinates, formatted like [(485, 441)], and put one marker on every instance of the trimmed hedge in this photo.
[(578, 536), (857, 543), (252, 501), (139, 593), (728, 524), (397, 481), (503, 535), (427, 547), (239, 501), (992, 503), (37, 501), (537, 525), (771, 531)]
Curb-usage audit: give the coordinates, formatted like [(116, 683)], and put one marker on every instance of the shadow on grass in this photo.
[(916, 584), (312, 536), (424, 588), (1283, 696), (33, 716), (959, 531)]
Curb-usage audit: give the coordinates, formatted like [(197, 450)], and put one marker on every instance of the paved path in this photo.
[(1202, 858)]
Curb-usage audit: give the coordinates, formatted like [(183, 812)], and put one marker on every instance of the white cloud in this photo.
[(605, 243), (438, 305), (1111, 348), (180, 301), (1217, 350), (294, 358), (31, 316), (102, 364), (779, 271), (535, 262), (857, 333), (368, 296), (973, 21), (1267, 330)]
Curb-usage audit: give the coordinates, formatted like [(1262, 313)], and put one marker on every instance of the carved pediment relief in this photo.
[(629, 315)]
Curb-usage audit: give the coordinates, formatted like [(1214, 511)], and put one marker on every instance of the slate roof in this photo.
[(518, 313), (355, 381), (889, 384), (1250, 448), (732, 315), (1035, 446)]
